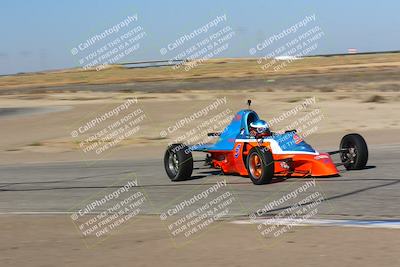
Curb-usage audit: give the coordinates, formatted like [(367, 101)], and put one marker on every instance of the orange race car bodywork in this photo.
[(289, 165), (292, 156)]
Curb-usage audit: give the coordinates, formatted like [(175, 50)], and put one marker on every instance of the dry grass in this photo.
[(221, 68)]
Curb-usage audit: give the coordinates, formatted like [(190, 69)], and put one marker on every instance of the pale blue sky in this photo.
[(38, 35)]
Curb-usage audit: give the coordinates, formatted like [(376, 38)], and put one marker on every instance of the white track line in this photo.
[(388, 224), (385, 224)]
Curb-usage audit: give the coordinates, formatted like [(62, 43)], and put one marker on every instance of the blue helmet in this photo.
[(261, 126)]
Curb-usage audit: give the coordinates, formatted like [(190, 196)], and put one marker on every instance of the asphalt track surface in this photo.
[(63, 187)]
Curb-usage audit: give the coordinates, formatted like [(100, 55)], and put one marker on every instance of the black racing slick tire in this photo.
[(178, 162), (356, 155), (260, 165)]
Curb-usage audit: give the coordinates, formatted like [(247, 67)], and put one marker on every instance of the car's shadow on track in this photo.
[(365, 168), (245, 178), (369, 167)]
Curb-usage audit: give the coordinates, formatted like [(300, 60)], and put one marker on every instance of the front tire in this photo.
[(178, 162), (356, 156), (260, 166)]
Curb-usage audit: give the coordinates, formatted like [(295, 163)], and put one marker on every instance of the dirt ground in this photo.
[(52, 240), (51, 119), (356, 93)]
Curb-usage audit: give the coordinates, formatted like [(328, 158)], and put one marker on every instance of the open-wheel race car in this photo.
[(247, 147)]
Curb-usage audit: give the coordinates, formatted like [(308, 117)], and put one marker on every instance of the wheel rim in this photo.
[(255, 166), (350, 155), (173, 163)]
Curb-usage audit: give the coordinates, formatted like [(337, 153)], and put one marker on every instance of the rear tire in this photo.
[(178, 162), (357, 155), (260, 166)]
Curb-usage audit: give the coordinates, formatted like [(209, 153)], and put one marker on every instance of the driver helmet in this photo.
[(260, 126)]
